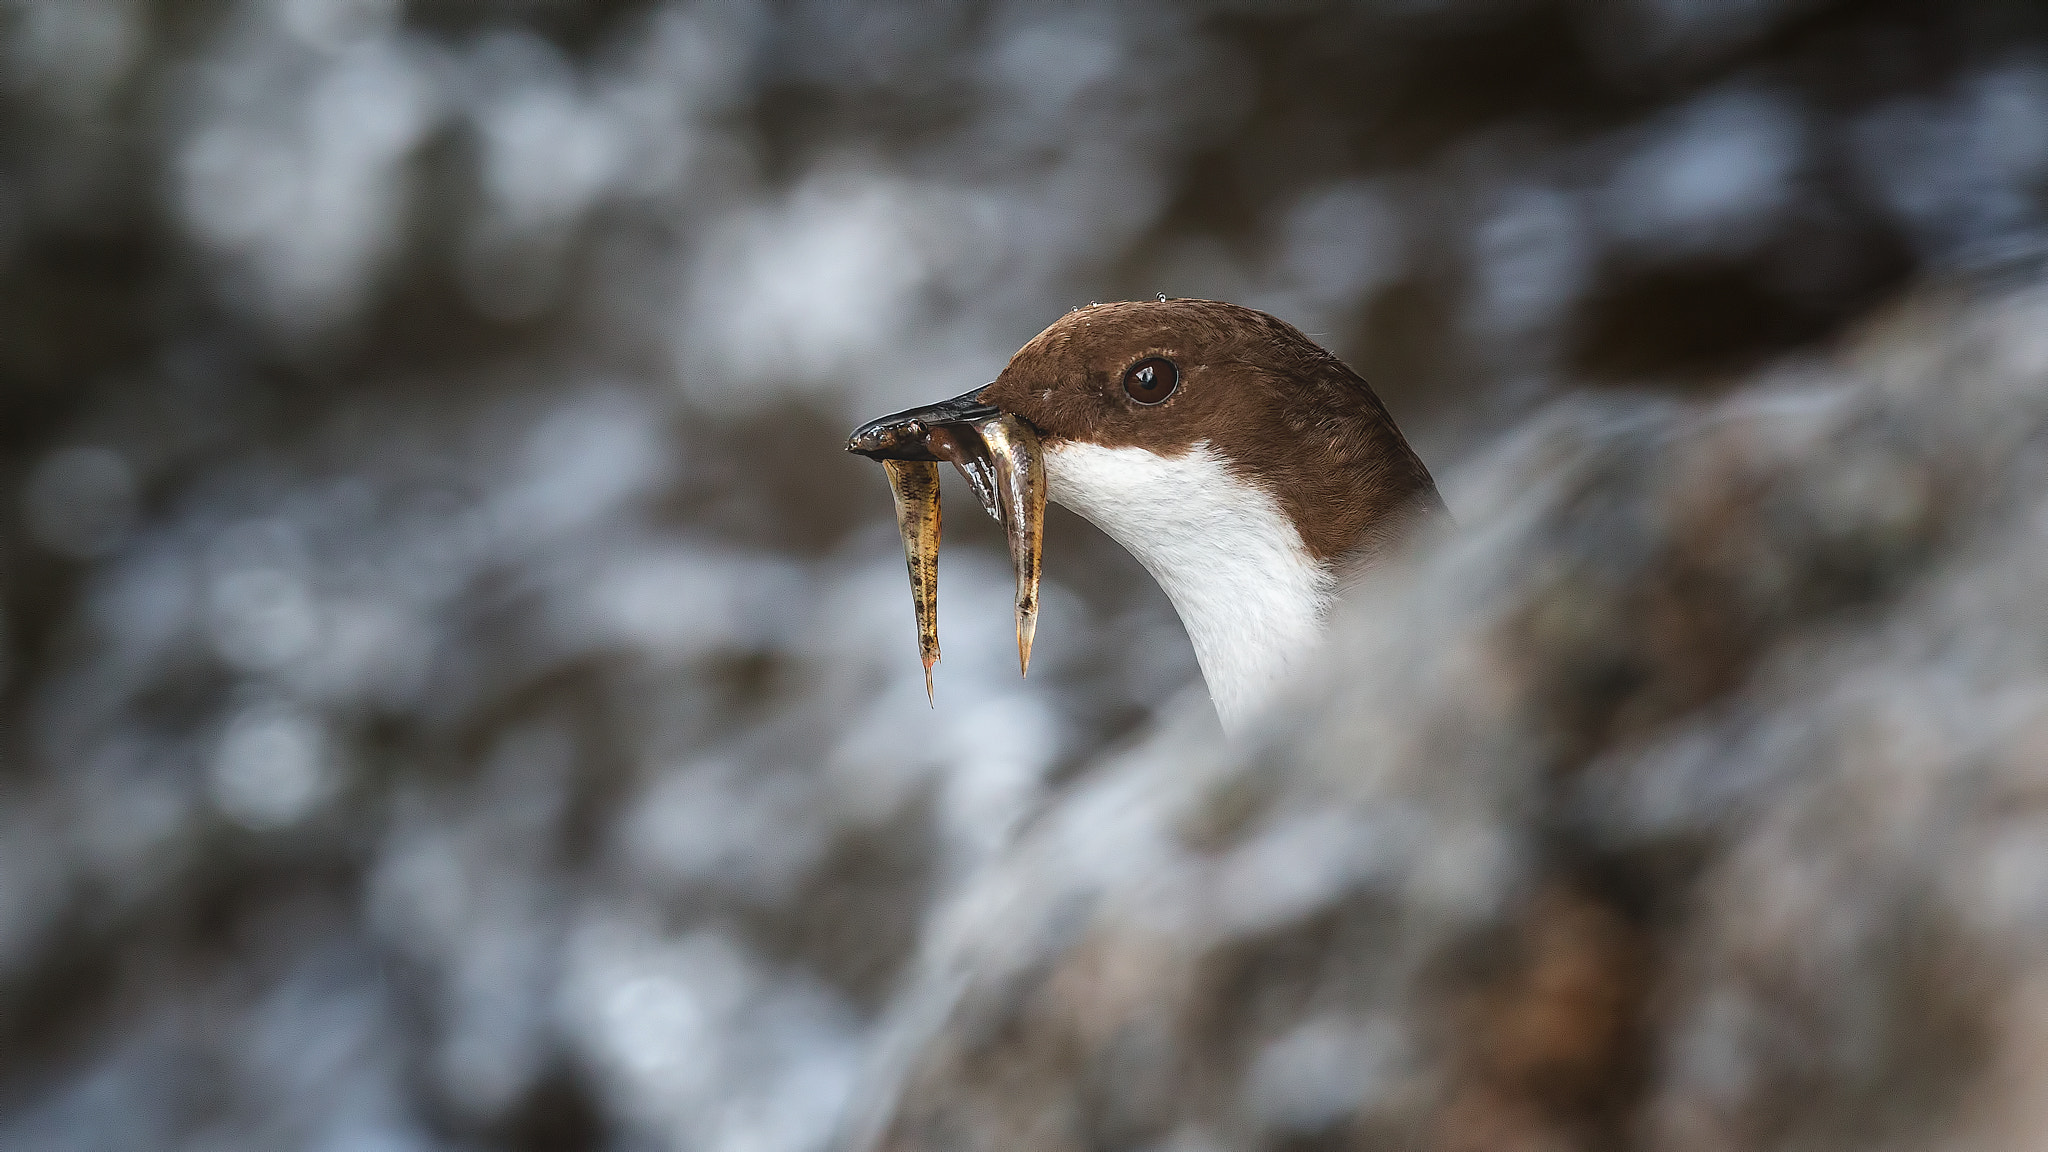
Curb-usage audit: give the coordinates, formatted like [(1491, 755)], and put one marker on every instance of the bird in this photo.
[(1252, 473)]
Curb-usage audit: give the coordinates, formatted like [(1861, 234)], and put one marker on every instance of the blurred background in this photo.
[(455, 692)]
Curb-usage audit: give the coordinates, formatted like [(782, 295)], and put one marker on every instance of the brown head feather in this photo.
[(1282, 411)]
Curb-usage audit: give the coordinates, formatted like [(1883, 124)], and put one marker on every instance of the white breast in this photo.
[(1249, 593)]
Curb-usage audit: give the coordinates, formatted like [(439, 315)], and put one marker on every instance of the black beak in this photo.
[(905, 435)]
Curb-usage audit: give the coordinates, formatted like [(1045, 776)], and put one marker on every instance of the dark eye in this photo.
[(1151, 380)]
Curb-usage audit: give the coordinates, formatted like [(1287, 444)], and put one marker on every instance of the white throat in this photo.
[(1249, 593)]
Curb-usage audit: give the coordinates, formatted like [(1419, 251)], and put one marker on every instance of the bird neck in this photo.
[(1251, 595)]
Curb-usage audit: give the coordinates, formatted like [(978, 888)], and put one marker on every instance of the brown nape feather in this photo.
[(1280, 409), (1337, 463)]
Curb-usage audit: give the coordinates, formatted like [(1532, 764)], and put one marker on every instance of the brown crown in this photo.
[(1283, 412)]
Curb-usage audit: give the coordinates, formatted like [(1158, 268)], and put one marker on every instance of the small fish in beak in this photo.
[(999, 456), (915, 485), (1020, 493)]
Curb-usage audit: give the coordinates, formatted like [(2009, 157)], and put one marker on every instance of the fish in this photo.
[(1003, 462), (1020, 493), (915, 486)]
